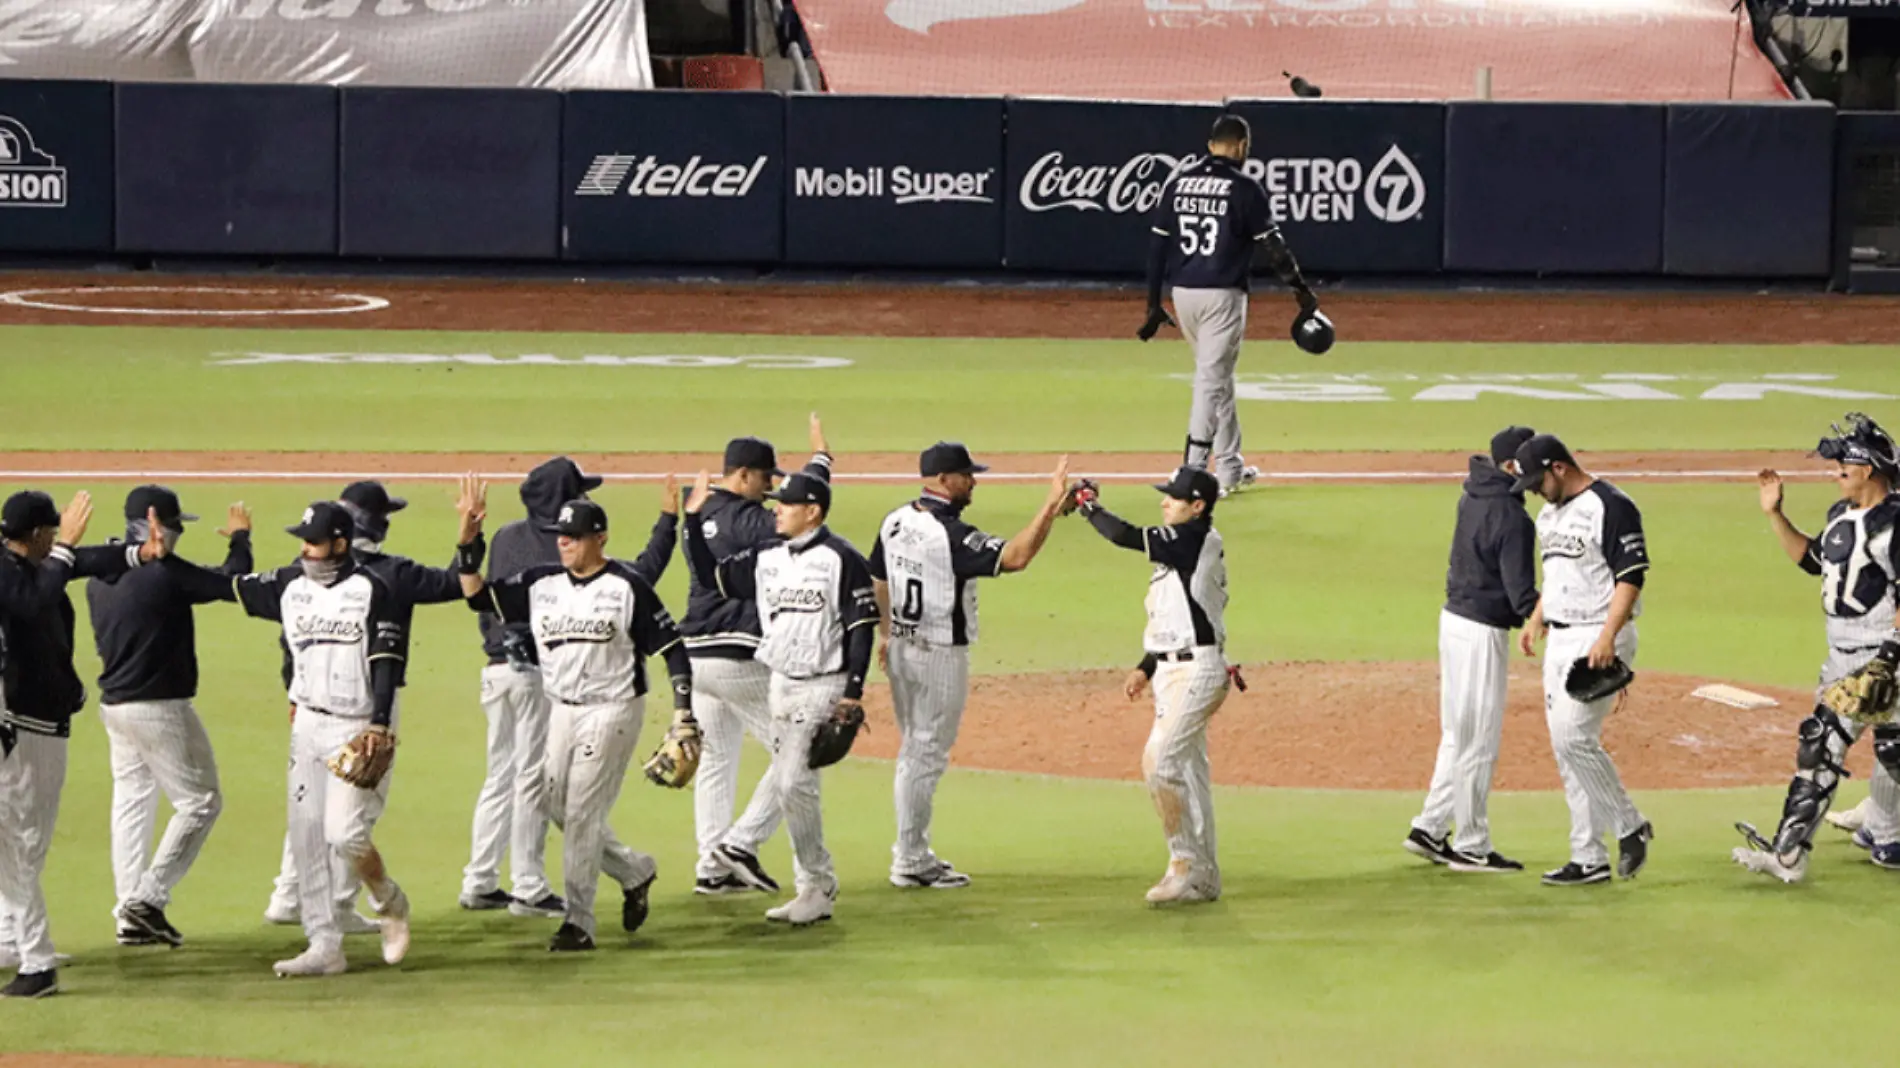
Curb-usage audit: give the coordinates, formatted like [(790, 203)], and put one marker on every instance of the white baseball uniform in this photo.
[(1589, 543), (818, 614), (930, 559), (593, 636)]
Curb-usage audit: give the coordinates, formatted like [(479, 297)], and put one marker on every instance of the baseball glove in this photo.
[(1083, 490), (1585, 683), (366, 758), (676, 761), (834, 736), (1866, 696)]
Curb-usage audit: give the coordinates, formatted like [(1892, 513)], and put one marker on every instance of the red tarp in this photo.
[(1208, 50)]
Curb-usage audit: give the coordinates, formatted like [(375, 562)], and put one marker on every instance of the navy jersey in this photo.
[(1215, 215)]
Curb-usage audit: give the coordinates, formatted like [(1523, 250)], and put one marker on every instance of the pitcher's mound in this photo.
[(1372, 726)]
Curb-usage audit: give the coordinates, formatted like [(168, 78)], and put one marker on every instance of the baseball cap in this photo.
[(1506, 442), (579, 518), (1535, 456), (324, 521), (145, 499), (1192, 484), (802, 488), (752, 454), (26, 512), (948, 458), (372, 498)]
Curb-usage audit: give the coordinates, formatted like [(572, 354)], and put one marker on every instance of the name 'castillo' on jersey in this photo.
[(1590, 543), (811, 592), (1858, 560), (1187, 594), (333, 632), (592, 634), (928, 556), (1216, 213)]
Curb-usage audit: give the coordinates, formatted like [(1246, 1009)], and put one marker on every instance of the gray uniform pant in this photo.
[(1214, 321)]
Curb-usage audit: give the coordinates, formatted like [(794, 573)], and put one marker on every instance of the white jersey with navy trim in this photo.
[(333, 633), (1187, 595), (1590, 543), (1855, 557), (593, 634), (929, 557), (811, 591)]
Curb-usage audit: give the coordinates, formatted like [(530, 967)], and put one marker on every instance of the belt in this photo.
[(1185, 656)]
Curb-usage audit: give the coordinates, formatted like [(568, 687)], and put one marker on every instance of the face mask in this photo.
[(322, 572), (364, 545), (136, 531)]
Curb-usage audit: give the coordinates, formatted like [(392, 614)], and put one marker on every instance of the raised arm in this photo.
[(1799, 548), (731, 577), (1021, 549), (237, 527), (471, 508), (1106, 523), (652, 561)]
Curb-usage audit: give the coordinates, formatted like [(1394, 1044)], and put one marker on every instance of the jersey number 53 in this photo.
[(1199, 233)]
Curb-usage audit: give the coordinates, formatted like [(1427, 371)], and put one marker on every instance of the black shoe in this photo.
[(494, 899), (570, 939), (551, 906), (151, 920), (1420, 844), (1491, 863), (718, 887), (746, 868), (132, 936), (37, 985), (1574, 874), (1632, 851), (633, 908)]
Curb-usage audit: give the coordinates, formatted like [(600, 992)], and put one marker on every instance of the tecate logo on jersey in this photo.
[(1134, 185), (1319, 189), (646, 176), (903, 185)]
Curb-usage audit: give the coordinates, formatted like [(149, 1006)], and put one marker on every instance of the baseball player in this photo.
[(595, 622), (1490, 589), (1595, 562), (1183, 653), (818, 616), (1857, 558), (731, 688), (369, 506), (347, 628), (933, 558), (1210, 217), (143, 630), (42, 693)]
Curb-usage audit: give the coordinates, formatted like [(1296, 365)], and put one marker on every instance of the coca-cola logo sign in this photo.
[(1301, 189), (1132, 186)]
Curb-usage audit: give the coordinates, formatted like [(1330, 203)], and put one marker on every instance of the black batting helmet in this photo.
[(1313, 332)]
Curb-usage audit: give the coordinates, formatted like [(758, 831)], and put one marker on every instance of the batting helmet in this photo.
[(1313, 332)]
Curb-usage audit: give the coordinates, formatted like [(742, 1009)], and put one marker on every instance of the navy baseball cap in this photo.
[(1506, 442), (324, 521), (144, 499), (1535, 456), (372, 498), (579, 518), (948, 458), (1192, 484), (752, 454), (802, 488), (26, 512)]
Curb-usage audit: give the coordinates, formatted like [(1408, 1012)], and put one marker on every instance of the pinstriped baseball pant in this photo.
[(730, 699), (930, 684), (798, 707), (589, 749), (30, 783), (1473, 664), (1180, 780), (158, 747), (1598, 803)]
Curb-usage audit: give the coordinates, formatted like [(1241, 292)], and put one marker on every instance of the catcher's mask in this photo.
[(1865, 444)]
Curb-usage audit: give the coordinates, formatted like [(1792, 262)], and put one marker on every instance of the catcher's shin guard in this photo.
[(1811, 791), (1887, 747)]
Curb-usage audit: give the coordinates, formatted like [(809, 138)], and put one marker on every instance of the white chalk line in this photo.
[(34, 298), (843, 476)]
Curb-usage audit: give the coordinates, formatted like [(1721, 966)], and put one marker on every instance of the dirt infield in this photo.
[(888, 310)]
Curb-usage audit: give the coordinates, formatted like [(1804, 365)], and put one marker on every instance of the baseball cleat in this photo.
[(1632, 851), (745, 867), (283, 913), (395, 925), (1420, 844), (1575, 874), (312, 962), (548, 906), (1850, 819), (812, 905), (127, 936), (36, 985), (721, 886), (1886, 855), (633, 907), (570, 939), (1764, 862), (1249, 475), (1863, 839), (351, 922), (492, 900), (941, 877), (1493, 863), (151, 920)]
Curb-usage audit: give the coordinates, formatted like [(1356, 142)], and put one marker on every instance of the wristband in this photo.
[(1147, 665), (468, 558)]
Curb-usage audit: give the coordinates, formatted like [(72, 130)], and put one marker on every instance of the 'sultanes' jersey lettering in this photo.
[(593, 634), (1590, 543), (333, 633), (810, 596)]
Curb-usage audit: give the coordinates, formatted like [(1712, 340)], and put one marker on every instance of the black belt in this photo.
[(1185, 656), (1554, 625)]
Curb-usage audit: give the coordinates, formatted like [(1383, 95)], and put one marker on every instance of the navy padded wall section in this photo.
[(1554, 188), (451, 173), (239, 169), (1749, 189), (55, 166)]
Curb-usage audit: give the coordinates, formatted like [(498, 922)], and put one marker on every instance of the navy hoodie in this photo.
[(1492, 578)]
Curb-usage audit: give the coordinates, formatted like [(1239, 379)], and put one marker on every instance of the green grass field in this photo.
[(1331, 946)]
